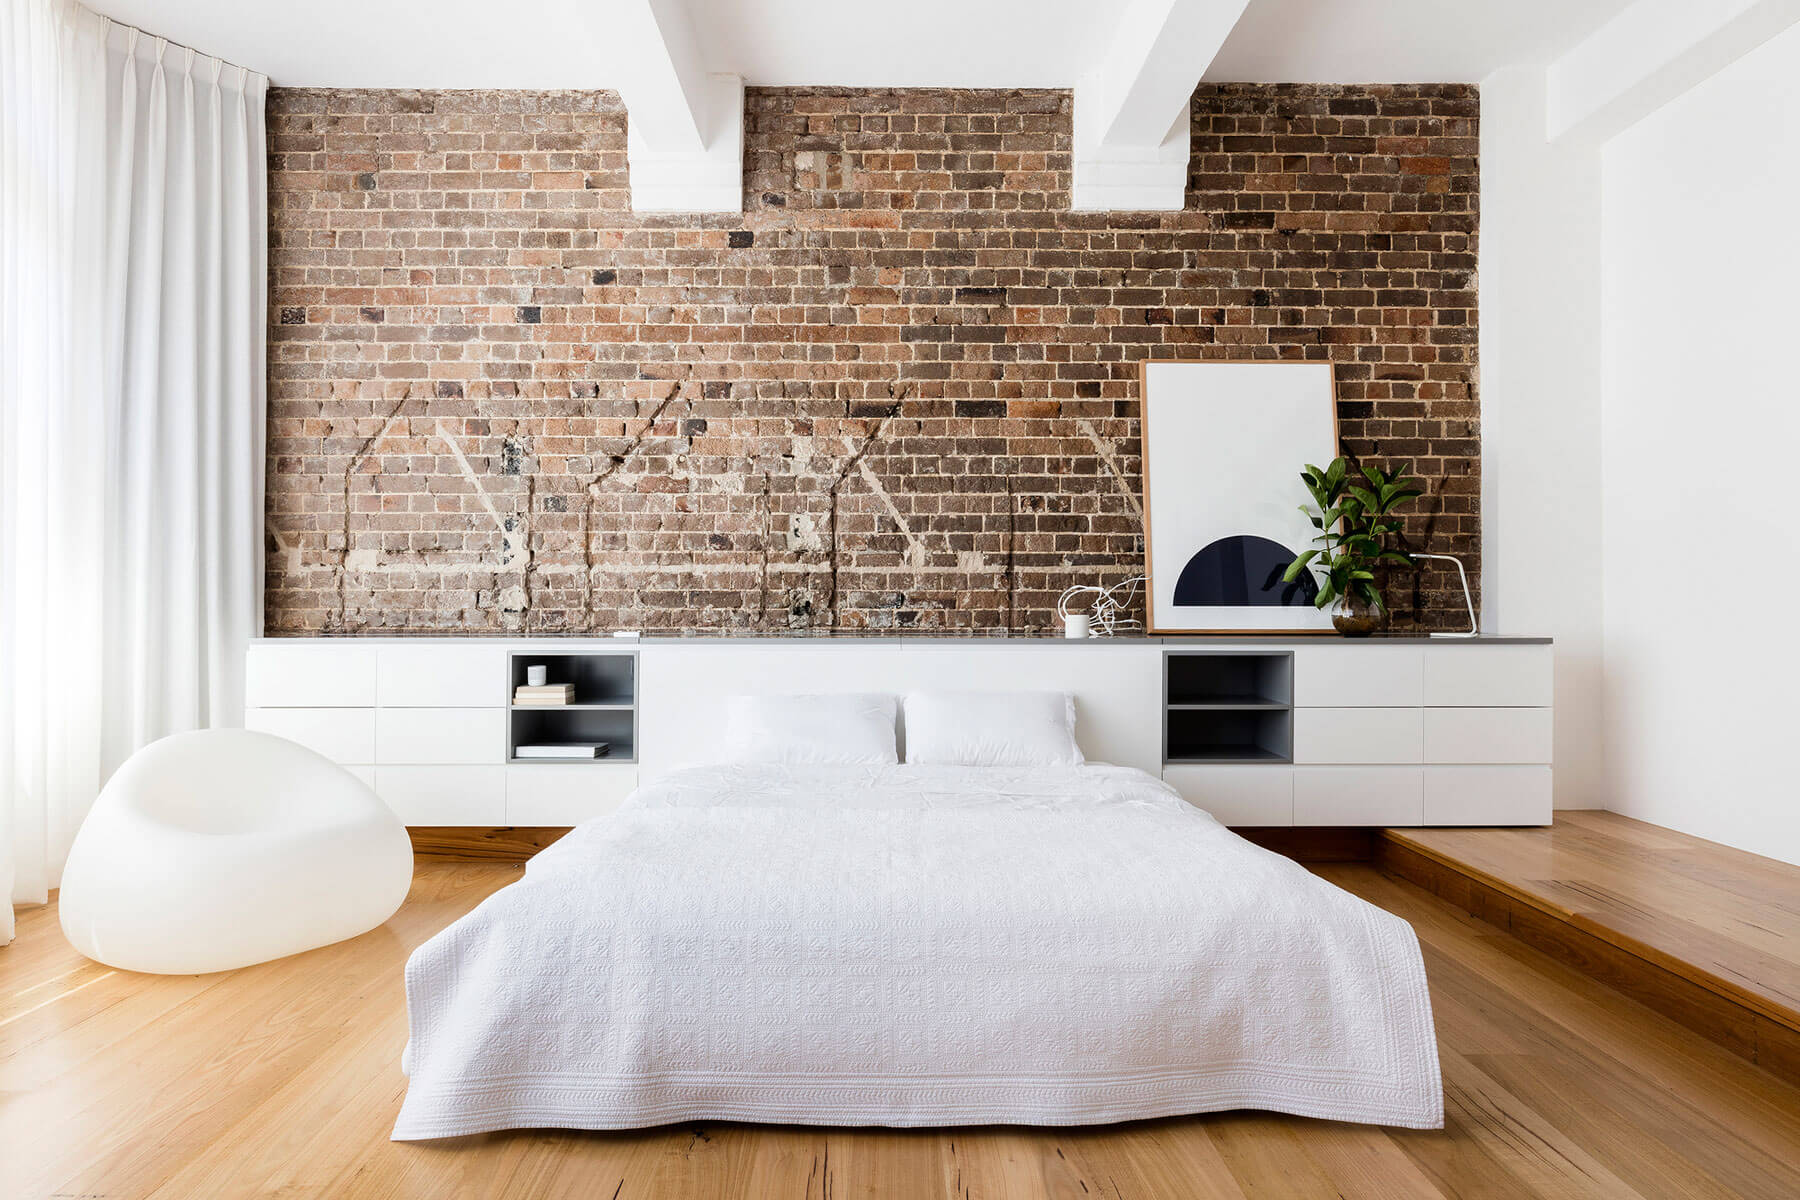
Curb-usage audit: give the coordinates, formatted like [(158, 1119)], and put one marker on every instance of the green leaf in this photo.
[(1396, 556), (1334, 475), (1372, 594), (1327, 593), (1298, 566)]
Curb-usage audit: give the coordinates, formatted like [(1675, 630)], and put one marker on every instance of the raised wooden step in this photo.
[(1703, 933)]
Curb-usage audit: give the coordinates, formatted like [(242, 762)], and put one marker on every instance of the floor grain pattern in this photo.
[(283, 1080)]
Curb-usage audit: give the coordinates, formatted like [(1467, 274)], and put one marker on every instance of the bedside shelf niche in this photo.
[(1228, 707), (604, 709)]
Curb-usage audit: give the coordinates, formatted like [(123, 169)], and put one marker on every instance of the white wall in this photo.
[(1540, 406), (1700, 431)]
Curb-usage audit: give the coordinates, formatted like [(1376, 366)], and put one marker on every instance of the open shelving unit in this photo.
[(1228, 706), (604, 709)]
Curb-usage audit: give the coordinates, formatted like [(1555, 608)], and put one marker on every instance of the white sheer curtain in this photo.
[(133, 235)]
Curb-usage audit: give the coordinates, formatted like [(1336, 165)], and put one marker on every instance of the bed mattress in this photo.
[(913, 945)]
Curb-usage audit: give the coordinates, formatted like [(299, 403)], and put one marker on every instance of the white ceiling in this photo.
[(913, 43)]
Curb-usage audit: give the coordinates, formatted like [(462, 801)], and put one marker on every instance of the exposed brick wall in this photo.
[(900, 391)]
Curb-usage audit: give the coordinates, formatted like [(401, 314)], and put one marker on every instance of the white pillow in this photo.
[(848, 730), (992, 729)]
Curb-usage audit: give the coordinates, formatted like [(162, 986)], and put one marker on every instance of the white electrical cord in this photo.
[(1106, 612)]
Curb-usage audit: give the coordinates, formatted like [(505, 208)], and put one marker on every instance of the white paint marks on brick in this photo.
[(293, 561), (1112, 465), (510, 540), (803, 535), (915, 549)]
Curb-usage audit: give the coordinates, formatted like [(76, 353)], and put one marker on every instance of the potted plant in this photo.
[(1355, 522)]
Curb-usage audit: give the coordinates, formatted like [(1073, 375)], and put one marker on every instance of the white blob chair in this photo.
[(223, 847)]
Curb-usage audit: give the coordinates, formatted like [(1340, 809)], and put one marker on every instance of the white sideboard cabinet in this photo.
[(1257, 731)]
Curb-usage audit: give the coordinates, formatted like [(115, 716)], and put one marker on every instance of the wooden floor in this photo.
[(283, 1080), (1709, 934)]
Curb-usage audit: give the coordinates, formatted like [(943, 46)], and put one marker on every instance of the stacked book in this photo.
[(562, 750), (547, 695)]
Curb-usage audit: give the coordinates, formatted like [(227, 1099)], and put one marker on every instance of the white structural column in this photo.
[(1540, 406), (686, 126), (1131, 110)]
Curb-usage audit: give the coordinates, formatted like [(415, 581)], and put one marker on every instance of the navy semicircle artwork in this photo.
[(1243, 571)]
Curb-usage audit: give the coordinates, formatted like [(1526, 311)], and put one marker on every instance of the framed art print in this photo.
[(1224, 443)]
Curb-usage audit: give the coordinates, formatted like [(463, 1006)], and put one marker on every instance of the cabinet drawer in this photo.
[(439, 676), (1487, 796), (309, 674), (344, 735), (444, 795), (1358, 676), (1237, 795), (547, 794), (1358, 735), (1359, 795), (440, 735), (1488, 735), (1489, 676)]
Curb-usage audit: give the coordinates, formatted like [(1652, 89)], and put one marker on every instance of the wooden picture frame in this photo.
[(1271, 417)]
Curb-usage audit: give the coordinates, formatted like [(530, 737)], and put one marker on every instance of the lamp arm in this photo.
[(1468, 596)]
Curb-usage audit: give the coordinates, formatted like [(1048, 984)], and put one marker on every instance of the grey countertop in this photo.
[(935, 638)]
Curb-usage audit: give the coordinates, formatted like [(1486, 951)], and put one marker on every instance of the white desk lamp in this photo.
[(1474, 628)]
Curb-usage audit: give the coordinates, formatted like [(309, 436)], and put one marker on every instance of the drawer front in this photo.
[(1489, 677), (1358, 735), (309, 674), (439, 676), (1359, 676), (1488, 735), (444, 795), (440, 735), (1359, 795), (1487, 796), (1237, 795), (344, 735), (546, 794)]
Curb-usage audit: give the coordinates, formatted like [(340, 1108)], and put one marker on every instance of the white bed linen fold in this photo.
[(910, 945)]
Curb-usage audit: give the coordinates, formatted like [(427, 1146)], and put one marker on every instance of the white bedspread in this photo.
[(910, 945)]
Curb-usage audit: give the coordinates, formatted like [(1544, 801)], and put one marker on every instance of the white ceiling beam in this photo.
[(685, 125), (1131, 109), (1649, 53)]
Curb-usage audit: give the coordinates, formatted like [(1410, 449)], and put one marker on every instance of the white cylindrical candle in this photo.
[(537, 676), (1075, 625)]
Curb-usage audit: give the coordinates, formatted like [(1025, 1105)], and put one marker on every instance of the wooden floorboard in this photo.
[(283, 1080), (1704, 933)]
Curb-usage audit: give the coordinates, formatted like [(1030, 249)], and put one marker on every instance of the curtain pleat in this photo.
[(132, 286)]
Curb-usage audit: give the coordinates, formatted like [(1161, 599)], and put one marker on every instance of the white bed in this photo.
[(914, 945)]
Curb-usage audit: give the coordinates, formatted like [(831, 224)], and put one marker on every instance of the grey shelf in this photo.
[(1231, 754), (563, 762), (605, 708), (1233, 703), (1228, 706)]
